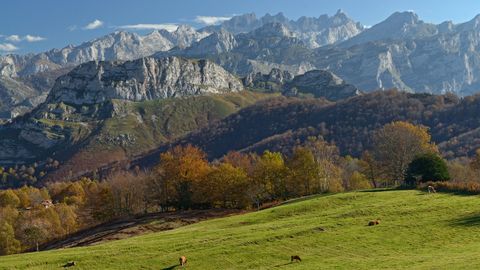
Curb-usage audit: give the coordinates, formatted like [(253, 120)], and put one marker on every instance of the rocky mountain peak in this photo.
[(279, 18), (340, 17), (273, 29), (241, 23), (184, 35), (218, 42), (154, 33), (273, 81), (314, 32), (143, 79), (402, 18), (473, 24), (222, 41), (399, 25), (446, 27), (321, 83)]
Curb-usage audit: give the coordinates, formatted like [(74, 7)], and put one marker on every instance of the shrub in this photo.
[(471, 187), (427, 167)]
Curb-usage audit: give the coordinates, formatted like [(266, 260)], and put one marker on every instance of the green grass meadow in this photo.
[(417, 231)]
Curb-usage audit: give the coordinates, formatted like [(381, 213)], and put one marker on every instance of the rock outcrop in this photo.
[(321, 83), (142, 79), (316, 83), (98, 91), (273, 81)]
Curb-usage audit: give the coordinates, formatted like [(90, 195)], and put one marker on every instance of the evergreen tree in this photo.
[(427, 167)]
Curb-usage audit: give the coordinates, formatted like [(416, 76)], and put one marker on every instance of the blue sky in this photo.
[(34, 25)]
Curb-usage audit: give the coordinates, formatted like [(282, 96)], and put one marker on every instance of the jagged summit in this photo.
[(315, 32), (405, 17), (274, 29), (399, 25), (142, 79), (219, 42), (473, 24)]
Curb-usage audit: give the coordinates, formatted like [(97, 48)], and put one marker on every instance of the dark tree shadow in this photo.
[(468, 221)]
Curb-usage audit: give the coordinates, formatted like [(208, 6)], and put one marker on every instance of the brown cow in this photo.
[(431, 189), (373, 222), (295, 258), (182, 260)]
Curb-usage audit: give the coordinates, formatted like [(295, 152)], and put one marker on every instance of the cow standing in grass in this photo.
[(431, 189), (373, 222), (182, 260), (295, 258)]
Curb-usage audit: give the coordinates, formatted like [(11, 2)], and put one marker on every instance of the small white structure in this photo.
[(46, 203)]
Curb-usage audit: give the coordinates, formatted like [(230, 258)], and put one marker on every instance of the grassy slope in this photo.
[(150, 123), (163, 120), (417, 231)]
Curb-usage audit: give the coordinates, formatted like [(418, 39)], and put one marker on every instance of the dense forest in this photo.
[(276, 124)]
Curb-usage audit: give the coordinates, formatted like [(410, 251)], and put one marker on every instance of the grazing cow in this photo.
[(373, 222), (69, 264), (431, 189), (182, 260), (295, 258)]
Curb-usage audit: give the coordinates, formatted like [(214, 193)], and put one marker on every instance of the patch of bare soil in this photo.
[(134, 226)]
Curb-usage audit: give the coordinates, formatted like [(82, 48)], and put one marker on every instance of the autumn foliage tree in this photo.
[(269, 176), (303, 172), (8, 243), (183, 179), (397, 144), (225, 186), (182, 170)]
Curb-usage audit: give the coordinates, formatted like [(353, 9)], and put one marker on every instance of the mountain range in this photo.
[(400, 52), (248, 84)]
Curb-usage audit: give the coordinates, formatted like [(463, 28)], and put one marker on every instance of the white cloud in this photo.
[(30, 38), (209, 20), (143, 26), (93, 25), (7, 47), (14, 38)]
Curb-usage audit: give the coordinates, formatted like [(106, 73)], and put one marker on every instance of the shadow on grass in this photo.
[(283, 264), (468, 221), (447, 191), (306, 198), (379, 190), (170, 267)]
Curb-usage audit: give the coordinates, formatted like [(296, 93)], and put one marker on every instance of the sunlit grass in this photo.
[(417, 231)]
